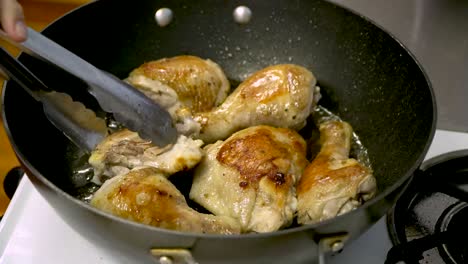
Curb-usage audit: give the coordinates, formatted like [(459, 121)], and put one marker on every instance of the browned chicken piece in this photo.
[(124, 150), (251, 177), (333, 183), (146, 196), (167, 98), (200, 84), (280, 95), (183, 85)]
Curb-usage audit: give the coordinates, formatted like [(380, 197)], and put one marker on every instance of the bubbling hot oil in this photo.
[(82, 172)]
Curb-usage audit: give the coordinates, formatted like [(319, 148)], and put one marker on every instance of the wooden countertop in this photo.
[(39, 14)]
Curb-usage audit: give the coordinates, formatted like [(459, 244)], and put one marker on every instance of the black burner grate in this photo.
[(455, 220), (429, 223)]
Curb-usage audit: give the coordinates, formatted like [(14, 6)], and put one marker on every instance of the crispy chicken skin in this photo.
[(333, 183), (146, 196), (280, 95), (251, 177), (200, 84), (124, 150), (183, 85)]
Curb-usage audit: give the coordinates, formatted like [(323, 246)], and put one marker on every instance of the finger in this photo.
[(12, 19)]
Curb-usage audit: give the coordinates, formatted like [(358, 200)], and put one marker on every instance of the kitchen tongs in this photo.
[(79, 124), (129, 106)]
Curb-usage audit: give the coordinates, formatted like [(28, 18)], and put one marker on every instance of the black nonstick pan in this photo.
[(367, 77)]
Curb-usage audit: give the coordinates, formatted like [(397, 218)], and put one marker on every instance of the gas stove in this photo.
[(32, 232)]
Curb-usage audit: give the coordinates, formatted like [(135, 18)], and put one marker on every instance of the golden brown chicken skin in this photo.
[(146, 196), (199, 84), (251, 177), (280, 95), (333, 184)]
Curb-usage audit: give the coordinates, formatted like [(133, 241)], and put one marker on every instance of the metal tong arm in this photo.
[(107, 89), (14, 70), (77, 122), (128, 105)]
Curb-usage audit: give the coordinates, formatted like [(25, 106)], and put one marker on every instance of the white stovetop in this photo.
[(32, 232)]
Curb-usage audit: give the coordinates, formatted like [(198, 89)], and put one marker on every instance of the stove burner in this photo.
[(454, 219), (429, 223)]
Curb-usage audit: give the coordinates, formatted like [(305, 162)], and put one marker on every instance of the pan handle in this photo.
[(330, 244), (11, 181), (172, 256)]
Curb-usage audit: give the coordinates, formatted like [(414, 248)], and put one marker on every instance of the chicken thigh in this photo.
[(280, 95), (333, 183), (251, 177), (183, 85), (146, 196), (124, 150)]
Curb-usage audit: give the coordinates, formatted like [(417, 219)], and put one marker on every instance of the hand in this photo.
[(12, 20)]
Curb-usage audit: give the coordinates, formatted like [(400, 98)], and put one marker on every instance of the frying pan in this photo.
[(366, 76)]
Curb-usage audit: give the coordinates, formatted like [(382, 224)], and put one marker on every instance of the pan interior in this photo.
[(366, 76)]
